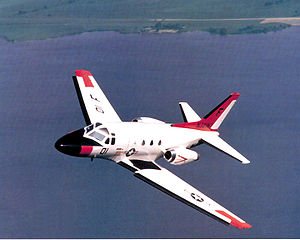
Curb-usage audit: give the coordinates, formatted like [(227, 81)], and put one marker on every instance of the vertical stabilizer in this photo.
[(213, 120), (216, 116)]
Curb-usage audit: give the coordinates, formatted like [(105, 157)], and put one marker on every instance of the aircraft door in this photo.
[(119, 143)]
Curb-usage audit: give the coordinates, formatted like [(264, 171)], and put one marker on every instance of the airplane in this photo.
[(136, 145)]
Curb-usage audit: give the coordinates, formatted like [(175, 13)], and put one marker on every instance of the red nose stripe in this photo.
[(85, 75), (86, 150), (234, 221)]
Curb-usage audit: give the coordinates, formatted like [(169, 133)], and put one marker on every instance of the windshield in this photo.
[(92, 126), (89, 128), (99, 134)]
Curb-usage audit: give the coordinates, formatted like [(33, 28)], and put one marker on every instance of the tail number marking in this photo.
[(104, 150)]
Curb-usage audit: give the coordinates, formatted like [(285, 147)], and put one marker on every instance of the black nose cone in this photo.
[(71, 143), (75, 144), (67, 147)]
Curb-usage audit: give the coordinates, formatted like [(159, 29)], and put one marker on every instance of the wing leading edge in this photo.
[(94, 104), (169, 183)]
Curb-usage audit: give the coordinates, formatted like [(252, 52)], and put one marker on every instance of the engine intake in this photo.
[(180, 156), (147, 120)]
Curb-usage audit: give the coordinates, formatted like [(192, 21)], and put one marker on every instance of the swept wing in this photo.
[(94, 104), (169, 183)]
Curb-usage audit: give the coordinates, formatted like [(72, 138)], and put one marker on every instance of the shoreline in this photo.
[(249, 30)]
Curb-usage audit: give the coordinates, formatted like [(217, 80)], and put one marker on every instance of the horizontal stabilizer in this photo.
[(218, 143), (189, 115)]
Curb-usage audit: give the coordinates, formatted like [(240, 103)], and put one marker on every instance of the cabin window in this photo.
[(143, 142), (113, 140), (159, 143), (151, 143)]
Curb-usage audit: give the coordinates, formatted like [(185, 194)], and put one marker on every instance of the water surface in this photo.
[(45, 194)]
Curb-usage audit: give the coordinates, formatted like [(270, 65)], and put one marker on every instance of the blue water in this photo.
[(45, 194)]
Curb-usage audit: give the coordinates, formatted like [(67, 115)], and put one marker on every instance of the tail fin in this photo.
[(216, 116), (213, 120)]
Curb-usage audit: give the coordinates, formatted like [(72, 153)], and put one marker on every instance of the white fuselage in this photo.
[(144, 141), (137, 144)]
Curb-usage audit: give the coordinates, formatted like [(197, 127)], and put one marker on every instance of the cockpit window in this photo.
[(97, 135), (89, 128), (92, 126)]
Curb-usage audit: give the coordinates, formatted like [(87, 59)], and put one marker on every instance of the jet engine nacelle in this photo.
[(147, 120), (180, 156)]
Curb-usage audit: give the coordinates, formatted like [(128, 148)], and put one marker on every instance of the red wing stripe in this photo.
[(234, 221), (86, 77)]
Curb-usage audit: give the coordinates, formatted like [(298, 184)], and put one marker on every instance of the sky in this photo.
[(45, 194)]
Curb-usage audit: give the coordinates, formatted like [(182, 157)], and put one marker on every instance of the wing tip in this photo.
[(244, 160), (240, 225), (85, 75), (81, 73), (235, 222)]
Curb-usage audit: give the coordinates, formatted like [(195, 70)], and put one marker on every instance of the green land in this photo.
[(42, 19)]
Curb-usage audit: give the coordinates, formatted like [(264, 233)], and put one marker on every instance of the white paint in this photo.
[(147, 139), (190, 114)]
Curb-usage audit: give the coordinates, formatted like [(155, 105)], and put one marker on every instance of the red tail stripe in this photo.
[(193, 125), (206, 123), (214, 114)]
